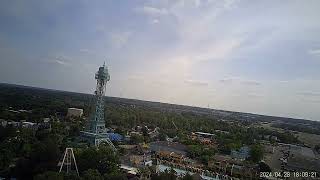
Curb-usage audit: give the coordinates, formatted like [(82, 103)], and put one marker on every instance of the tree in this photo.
[(144, 173), (317, 148), (264, 167), (201, 152), (115, 176), (44, 155), (49, 175), (136, 139), (109, 160), (162, 137), (166, 175), (75, 129), (187, 177), (256, 153), (102, 159), (71, 176), (5, 157), (6, 132), (92, 174), (144, 131)]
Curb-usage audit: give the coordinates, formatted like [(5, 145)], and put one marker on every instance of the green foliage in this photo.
[(287, 137), (92, 174), (144, 172), (263, 167), (43, 157), (75, 129), (194, 151), (115, 176), (6, 132), (187, 177), (49, 175), (298, 127), (28, 152), (256, 153), (162, 137), (284, 137), (166, 175), (70, 176), (136, 139), (103, 159), (144, 131), (169, 175), (317, 148), (200, 152), (6, 157), (38, 152)]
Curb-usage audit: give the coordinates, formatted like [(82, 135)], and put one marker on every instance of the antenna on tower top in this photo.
[(104, 63)]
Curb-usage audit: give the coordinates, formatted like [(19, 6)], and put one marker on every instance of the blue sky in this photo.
[(252, 56)]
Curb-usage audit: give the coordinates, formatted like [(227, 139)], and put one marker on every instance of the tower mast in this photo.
[(96, 131)]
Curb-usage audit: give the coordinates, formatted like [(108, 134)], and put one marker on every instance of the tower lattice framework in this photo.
[(97, 124), (96, 131)]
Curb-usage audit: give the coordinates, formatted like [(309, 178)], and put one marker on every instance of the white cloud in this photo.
[(188, 3), (283, 81), (152, 10), (194, 23), (120, 39), (229, 80), (59, 60), (316, 101), (309, 93), (155, 21), (255, 95), (314, 52), (196, 82), (219, 50), (239, 80), (251, 82), (309, 96), (86, 51), (229, 4), (136, 77)]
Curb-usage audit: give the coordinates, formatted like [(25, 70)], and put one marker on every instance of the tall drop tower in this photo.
[(96, 132)]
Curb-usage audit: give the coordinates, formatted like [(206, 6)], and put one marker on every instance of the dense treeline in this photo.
[(298, 127), (27, 154)]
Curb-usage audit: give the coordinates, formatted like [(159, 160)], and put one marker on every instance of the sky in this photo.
[(241, 55)]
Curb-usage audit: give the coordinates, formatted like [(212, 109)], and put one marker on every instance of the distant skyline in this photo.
[(260, 57)]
